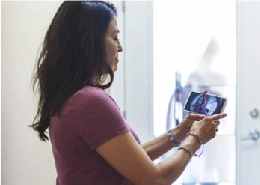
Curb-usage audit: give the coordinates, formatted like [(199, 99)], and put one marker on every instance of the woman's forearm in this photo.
[(173, 166), (160, 145)]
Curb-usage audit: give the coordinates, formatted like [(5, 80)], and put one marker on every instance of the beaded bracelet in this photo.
[(172, 138), (200, 142), (186, 150)]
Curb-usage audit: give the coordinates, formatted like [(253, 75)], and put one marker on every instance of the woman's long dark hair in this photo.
[(72, 56)]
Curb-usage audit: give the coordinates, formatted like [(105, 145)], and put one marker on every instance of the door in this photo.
[(248, 96)]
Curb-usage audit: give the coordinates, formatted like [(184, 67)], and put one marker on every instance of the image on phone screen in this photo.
[(205, 104)]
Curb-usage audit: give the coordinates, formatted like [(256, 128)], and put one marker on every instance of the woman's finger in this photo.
[(217, 116), (195, 117)]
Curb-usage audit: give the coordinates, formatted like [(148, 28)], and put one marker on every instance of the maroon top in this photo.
[(88, 119)]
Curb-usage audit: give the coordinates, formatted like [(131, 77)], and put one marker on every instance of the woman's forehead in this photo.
[(112, 27)]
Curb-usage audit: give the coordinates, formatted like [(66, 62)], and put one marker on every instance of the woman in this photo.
[(91, 141)]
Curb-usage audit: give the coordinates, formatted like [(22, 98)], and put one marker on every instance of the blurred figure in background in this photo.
[(202, 78)]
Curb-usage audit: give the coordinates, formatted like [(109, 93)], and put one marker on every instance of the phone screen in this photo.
[(205, 103)]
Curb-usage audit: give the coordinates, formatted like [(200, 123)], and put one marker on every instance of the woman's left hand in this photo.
[(189, 119)]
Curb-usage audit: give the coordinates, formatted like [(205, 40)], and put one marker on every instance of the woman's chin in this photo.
[(114, 67)]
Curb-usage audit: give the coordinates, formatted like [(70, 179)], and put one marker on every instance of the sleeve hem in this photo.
[(108, 136)]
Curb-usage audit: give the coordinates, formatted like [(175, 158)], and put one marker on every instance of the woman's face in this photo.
[(112, 44)]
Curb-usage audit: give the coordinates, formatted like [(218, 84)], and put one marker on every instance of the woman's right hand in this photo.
[(206, 128)]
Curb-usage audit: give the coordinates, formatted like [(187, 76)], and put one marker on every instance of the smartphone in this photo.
[(206, 104)]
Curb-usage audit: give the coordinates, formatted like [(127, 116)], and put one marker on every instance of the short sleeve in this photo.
[(96, 117)]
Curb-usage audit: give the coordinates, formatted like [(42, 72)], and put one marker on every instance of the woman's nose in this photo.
[(119, 47)]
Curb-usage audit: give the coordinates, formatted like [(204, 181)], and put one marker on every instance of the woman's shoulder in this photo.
[(88, 92), (91, 95), (87, 96), (91, 91)]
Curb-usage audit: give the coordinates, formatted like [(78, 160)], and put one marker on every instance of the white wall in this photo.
[(25, 159)]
